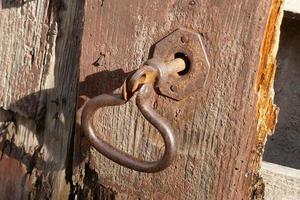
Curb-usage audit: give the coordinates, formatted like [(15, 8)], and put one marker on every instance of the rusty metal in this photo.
[(155, 71), (142, 82), (187, 43)]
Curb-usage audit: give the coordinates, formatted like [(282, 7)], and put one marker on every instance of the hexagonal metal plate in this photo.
[(189, 43)]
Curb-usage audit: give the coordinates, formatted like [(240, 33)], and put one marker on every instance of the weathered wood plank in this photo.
[(220, 131), (39, 58)]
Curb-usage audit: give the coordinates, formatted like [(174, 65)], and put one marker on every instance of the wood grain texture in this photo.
[(219, 138), (39, 58)]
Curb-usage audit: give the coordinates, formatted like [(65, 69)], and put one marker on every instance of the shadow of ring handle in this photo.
[(144, 96)]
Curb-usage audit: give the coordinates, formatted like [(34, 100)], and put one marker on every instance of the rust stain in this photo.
[(267, 111)]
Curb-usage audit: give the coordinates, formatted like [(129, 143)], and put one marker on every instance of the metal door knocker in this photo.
[(142, 82), (160, 75)]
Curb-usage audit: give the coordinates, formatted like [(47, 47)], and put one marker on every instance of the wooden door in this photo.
[(220, 129), (55, 55)]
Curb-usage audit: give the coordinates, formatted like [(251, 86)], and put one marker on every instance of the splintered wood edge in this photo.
[(267, 111)]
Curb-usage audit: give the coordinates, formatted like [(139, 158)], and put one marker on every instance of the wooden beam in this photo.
[(39, 53), (221, 130)]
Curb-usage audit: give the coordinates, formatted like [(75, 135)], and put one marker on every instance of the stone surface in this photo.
[(281, 183), (292, 6)]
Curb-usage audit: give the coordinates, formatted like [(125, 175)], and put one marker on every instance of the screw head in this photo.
[(183, 39), (173, 88)]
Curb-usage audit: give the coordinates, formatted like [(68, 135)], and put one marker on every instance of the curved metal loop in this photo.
[(144, 96), (144, 75)]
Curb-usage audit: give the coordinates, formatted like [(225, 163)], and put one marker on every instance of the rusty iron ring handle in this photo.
[(145, 93)]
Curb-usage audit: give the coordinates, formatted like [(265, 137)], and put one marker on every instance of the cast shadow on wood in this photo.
[(33, 108), (104, 82)]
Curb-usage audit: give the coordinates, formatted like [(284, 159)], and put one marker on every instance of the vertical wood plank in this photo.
[(39, 56), (220, 130)]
